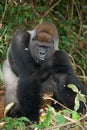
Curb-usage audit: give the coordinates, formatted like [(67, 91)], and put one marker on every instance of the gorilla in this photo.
[(34, 66)]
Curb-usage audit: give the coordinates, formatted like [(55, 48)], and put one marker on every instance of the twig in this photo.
[(69, 119), (4, 12), (83, 72), (47, 97), (52, 8), (79, 53), (83, 77), (80, 18), (83, 117), (68, 123)]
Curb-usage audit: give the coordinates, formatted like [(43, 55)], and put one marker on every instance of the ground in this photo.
[(2, 92)]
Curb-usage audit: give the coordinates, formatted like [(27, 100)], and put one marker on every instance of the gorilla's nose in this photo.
[(42, 50)]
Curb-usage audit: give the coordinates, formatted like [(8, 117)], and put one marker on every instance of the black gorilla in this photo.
[(35, 66)]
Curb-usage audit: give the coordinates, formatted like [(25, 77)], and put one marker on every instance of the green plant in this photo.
[(17, 123), (79, 97)]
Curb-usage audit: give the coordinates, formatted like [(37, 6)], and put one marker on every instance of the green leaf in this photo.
[(1, 7), (25, 8), (20, 19), (20, 125), (60, 119), (66, 111), (41, 20), (75, 115), (23, 119), (65, 40), (0, 74), (7, 119), (77, 103), (26, 14), (48, 119), (52, 110), (73, 87), (84, 26), (81, 38), (46, 122), (81, 97), (10, 125)]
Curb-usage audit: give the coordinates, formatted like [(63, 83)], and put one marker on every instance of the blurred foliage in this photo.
[(10, 123), (69, 16), (65, 119)]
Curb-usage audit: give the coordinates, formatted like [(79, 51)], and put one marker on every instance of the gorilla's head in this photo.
[(43, 42)]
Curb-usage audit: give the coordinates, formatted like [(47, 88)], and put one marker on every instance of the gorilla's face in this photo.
[(43, 42), (41, 51)]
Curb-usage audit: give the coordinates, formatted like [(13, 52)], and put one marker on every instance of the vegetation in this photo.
[(70, 17), (50, 120)]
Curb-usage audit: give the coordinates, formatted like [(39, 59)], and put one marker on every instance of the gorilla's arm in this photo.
[(64, 75), (28, 93), (61, 63), (19, 55), (28, 89)]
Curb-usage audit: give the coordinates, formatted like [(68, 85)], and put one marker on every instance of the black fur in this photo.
[(64, 75)]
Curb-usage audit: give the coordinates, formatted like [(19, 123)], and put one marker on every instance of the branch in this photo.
[(47, 97), (68, 123), (52, 8)]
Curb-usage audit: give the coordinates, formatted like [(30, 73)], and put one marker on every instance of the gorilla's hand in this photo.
[(44, 72)]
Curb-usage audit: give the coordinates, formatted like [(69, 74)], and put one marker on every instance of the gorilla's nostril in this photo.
[(42, 53), (42, 50)]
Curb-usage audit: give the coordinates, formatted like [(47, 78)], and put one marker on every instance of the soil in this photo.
[(2, 92)]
